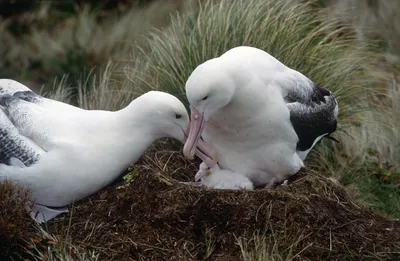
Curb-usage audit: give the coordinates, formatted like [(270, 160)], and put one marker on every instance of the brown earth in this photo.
[(15, 224), (154, 217)]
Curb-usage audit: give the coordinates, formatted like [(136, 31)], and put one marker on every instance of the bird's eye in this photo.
[(205, 98), (178, 116)]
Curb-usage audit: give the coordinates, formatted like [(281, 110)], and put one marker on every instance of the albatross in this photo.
[(64, 153), (259, 116)]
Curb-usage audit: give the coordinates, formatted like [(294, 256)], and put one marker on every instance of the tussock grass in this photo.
[(379, 131), (100, 91), (375, 141), (76, 44), (290, 31), (371, 19), (376, 21)]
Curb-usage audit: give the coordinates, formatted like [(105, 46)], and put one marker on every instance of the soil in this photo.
[(16, 226)]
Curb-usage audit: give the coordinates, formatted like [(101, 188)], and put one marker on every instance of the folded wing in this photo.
[(15, 148), (313, 113)]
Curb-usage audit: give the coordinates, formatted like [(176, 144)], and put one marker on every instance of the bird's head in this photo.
[(208, 89)]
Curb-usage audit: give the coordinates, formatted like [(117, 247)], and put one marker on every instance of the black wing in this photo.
[(313, 113)]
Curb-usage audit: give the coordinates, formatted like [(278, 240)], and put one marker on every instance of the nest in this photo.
[(16, 226), (151, 216)]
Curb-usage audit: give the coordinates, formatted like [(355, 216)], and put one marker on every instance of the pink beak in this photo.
[(194, 144)]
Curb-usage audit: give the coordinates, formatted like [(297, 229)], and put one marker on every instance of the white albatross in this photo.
[(260, 117), (64, 153)]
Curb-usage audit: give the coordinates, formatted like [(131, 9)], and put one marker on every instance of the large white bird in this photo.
[(64, 153), (260, 117)]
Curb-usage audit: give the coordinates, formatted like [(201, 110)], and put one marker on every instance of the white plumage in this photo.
[(64, 153), (260, 117), (216, 178)]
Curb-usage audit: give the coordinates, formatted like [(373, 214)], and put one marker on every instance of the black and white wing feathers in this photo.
[(313, 113), (15, 147)]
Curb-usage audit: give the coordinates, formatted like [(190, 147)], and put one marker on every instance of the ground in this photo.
[(151, 216)]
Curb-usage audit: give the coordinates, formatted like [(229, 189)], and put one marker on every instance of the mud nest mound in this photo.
[(16, 226), (154, 217)]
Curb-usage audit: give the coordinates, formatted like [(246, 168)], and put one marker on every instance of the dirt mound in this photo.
[(154, 217), (15, 224)]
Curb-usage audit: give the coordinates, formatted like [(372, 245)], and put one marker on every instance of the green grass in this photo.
[(383, 197), (375, 186)]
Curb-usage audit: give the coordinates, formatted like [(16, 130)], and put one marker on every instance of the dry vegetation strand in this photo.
[(156, 218)]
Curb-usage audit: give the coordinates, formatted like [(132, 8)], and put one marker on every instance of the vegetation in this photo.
[(103, 57), (70, 41)]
